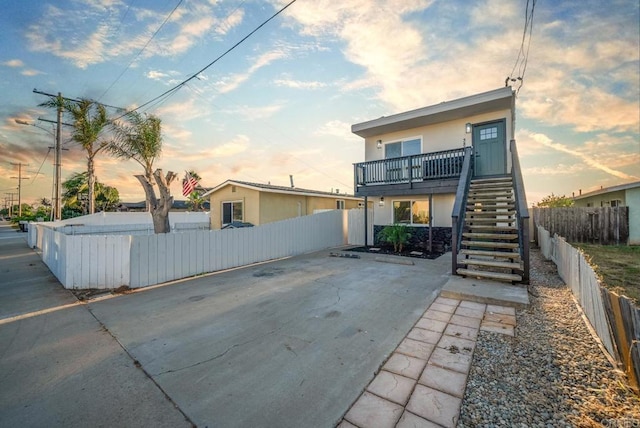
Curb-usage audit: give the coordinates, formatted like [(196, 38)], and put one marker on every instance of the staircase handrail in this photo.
[(522, 211), (459, 206)]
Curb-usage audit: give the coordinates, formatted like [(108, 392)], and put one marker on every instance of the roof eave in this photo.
[(498, 99)]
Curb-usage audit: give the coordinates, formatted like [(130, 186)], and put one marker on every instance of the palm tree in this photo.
[(140, 138), (195, 197), (89, 120)]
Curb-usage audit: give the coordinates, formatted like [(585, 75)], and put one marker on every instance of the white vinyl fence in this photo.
[(580, 277), (356, 227), (106, 261)]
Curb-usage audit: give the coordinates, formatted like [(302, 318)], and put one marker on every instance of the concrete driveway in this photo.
[(289, 343)]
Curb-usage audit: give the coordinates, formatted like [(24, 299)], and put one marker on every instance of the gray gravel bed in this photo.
[(551, 374)]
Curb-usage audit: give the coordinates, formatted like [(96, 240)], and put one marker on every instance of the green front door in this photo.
[(490, 149)]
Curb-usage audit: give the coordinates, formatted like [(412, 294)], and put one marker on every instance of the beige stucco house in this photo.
[(623, 195), (440, 168), (255, 203)]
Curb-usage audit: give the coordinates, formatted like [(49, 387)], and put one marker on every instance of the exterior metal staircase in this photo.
[(490, 239)]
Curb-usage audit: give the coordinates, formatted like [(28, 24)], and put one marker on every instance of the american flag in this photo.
[(188, 184)]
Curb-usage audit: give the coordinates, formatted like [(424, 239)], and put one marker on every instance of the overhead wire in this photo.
[(141, 50), (195, 75), (522, 58)]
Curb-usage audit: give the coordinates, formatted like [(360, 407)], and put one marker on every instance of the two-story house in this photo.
[(451, 172)]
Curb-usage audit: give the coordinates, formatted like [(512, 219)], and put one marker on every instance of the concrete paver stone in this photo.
[(423, 335), (446, 301), (392, 387), (473, 305), (465, 321), (500, 318), (444, 380), (405, 365), (346, 424), (371, 411), (435, 406), (453, 361), (469, 312), (414, 348), (437, 315), (496, 309), (442, 308), (458, 344), (461, 331), (430, 324), (492, 327), (409, 420)]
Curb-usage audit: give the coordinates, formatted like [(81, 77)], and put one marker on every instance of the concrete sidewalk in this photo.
[(58, 366)]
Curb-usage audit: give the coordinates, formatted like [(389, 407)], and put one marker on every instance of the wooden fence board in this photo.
[(603, 225)]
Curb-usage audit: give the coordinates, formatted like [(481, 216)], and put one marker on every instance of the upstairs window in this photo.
[(340, 204), (402, 148)]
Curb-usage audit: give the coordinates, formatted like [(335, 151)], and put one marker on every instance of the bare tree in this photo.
[(140, 138)]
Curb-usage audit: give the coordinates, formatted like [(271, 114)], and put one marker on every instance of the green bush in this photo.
[(397, 234)]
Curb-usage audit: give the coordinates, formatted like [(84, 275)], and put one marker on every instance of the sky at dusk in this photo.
[(282, 103)]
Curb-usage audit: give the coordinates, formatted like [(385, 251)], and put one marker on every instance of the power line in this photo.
[(523, 54), (141, 50), (195, 75)]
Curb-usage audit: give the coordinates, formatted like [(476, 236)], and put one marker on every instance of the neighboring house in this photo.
[(623, 195), (420, 162), (256, 203)]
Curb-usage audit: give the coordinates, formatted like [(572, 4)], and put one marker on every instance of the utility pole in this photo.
[(11, 195), (20, 178), (58, 212)]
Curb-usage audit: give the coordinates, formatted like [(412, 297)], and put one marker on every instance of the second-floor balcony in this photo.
[(435, 172)]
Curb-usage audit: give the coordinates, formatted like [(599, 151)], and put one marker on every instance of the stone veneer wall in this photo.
[(420, 237)]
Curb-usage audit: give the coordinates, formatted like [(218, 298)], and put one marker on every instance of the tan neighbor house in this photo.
[(256, 203)]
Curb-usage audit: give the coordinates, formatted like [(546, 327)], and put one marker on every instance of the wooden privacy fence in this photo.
[(615, 318), (600, 225), (110, 261)]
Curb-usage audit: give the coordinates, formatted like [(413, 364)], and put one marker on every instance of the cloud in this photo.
[(299, 84), (234, 81), (586, 158), (13, 63), (77, 38), (255, 113), (339, 129), (30, 72)]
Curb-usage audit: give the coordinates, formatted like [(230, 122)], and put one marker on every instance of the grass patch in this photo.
[(617, 265)]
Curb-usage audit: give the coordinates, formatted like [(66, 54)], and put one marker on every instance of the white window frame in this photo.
[(340, 204), (411, 201), (239, 201)]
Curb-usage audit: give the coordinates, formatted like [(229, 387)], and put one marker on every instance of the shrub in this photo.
[(397, 234)]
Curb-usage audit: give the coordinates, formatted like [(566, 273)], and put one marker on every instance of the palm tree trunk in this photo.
[(91, 182)]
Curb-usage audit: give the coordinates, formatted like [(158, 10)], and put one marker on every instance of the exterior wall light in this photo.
[(379, 144), (381, 203), (468, 128)]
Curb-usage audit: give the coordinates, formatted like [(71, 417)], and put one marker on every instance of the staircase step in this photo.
[(489, 208), (490, 220), (492, 275), (490, 235), (492, 179), (493, 199), (500, 185), (493, 228), (490, 194), (504, 254), (490, 244), (500, 203), (489, 213), (491, 263)]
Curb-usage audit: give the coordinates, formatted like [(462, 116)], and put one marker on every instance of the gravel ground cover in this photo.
[(551, 374)]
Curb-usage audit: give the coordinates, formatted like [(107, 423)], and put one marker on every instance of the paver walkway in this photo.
[(423, 382)]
